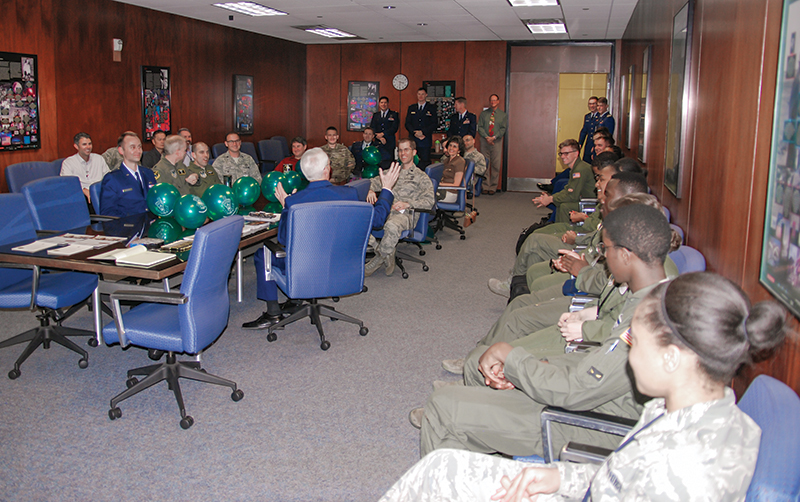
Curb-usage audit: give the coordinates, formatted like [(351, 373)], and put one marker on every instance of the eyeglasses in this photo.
[(602, 249), (562, 154), (234, 141)]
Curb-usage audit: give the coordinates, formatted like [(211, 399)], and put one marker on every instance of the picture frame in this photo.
[(243, 105), (19, 102), (156, 100), (643, 102), (629, 111), (362, 103)]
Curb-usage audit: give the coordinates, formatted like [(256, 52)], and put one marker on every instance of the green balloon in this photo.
[(191, 211), (269, 183), (166, 229), (162, 198), (416, 160), (303, 178), (292, 181), (246, 190), (188, 233), (371, 156), (369, 171), (245, 210), (273, 207), (220, 201)]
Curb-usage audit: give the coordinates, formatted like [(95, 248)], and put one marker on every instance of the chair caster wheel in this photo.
[(13, 374), (364, 289), (114, 413), (83, 363), (154, 354), (335, 299), (187, 422), (425, 268), (334, 319), (363, 331), (438, 246), (405, 275), (463, 237), (91, 342), (237, 395), (325, 345), (271, 337), (422, 252), (131, 382), (399, 261)]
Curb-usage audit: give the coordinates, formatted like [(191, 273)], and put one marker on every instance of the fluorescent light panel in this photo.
[(329, 32), (250, 9), (533, 3), (546, 26)]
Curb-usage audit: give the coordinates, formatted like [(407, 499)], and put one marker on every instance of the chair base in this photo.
[(447, 220), (44, 335), (170, 370), (314, 310)]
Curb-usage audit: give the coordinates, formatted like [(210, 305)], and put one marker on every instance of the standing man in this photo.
[(604, 118), (235, 163), (125, 189), (187, 135), (358, 147), (199, 175), (492, 125), (87, 166), (342, 160), (420, 124), (385, 123), (170, 168), (151, 157), (587, 130), (462, 122), (299, 146)]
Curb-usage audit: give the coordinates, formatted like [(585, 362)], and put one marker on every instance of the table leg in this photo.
[(98, 315), (239, 276)]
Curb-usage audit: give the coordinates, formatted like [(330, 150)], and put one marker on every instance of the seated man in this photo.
[(358, 147), (88, 167), (235, 163), (579, 186), (472, 153), (113, 158), (636, 240), (170, 168), (151, 157), (199, 175), (299, 146), (342, 160), (317, 169), (124, 191), (413, 190), (186, 134)]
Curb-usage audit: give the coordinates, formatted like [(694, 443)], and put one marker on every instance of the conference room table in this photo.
[(115, 277)]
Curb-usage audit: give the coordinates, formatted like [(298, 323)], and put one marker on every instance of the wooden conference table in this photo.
[(111, 275)]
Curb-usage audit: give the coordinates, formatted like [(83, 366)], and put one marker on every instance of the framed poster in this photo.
[(362, 102), (627, 93), (645, 80), (243, 104), (443, 94), (156, 100), (19, 102), (680, 63), (780, 252)]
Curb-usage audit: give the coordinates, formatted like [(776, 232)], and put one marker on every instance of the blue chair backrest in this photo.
[(325, 254), (57, 203), (250, 149), (435, 171), (57, 164), (678, 229), (461, 202), (284, 145), (270, 150), (19, 174), (688, 259), (775, 408), (95, 192), (362, 187), (218, 149), (666, 212), (420, 231), (16, 226), (205, 282)]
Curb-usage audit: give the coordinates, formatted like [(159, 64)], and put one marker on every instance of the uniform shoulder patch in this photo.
[(576, 175), (157, 174), (594, 372)]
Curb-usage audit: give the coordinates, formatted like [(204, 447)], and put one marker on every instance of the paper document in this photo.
[(136, 256)]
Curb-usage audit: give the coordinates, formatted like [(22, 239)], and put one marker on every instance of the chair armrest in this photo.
[(276, 248), (140, 296), (608, 424), (99, 218)]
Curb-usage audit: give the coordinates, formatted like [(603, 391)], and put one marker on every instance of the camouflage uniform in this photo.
[(486, 420), (243, 165), (112, 158), (174, 174), (706, 451), (414, 187), (479, 159), (207, 178), (342, 163)]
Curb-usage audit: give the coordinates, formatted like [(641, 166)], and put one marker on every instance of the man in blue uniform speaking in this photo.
[(316, 167), (124, 191)]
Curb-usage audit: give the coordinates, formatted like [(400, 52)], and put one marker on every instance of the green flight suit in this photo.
[(206, 177), (174, 174)]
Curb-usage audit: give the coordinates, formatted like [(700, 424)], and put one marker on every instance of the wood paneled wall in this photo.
[(735, 52), (479, 69), (82, 89)]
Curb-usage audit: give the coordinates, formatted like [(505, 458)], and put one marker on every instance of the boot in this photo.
[(390, 263), (374, 264)]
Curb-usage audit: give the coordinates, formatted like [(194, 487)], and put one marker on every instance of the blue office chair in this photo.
[(284, 145), (444, 217), (57, 203), (50, 293), (688, 259), (323, 258), (95, 192), (180, 322), (19, 174), (250, 149), (361, 186), (218, 149), (270, 152)]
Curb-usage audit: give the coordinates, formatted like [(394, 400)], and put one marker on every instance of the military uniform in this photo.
[(463, 125), (424, 120), (388, 125), (589, 225), (605, 120), (112, 158), (481, 419), (121, 195), (587, 130), (580, 186), (414, 187), (480, 161), (243, 165), (174, 174), (207, 177), (342, 162)]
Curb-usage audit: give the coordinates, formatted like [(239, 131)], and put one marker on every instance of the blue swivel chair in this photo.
[(19, 174), (284, 145), (250, 149), (95, 192), (50, 293), (218, 149), (688, 259), (186, 322), (270, 152), (57, 203), (444, 213), (361, 186), (323, 258)]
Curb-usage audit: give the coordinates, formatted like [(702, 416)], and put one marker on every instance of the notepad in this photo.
[(136, 256), (69, 250)]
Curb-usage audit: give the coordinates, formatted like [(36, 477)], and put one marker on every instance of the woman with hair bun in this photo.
[(688, 338)]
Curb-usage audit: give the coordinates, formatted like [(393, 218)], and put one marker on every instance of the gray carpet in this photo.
[(313, 425)]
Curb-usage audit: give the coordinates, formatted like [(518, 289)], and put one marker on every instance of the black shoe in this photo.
[(289, 307), (545, 187), (264, 321)]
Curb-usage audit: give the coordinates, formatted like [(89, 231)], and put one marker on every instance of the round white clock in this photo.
[(400, 81)]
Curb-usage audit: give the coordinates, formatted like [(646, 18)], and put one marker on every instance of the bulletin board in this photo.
[(443, 94), (19, 102)]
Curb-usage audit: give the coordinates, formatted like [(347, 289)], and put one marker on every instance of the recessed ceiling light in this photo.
[(250, 8), (325, 31), (586, 8), (545, 26), (533, 3), (388, 7), (422, 24)]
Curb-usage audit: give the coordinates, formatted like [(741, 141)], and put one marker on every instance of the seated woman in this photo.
[(454, 167), (688, 337)]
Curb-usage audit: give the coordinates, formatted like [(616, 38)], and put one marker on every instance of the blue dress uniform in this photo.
[(607, 121), (388, 125), (422, 120), (461, 125), (122, 195), (589, 121)]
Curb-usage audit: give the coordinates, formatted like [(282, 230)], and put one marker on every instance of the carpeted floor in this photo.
[(313, 425)]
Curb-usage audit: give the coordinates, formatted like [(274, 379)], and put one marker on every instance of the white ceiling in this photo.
[(446, 20)]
